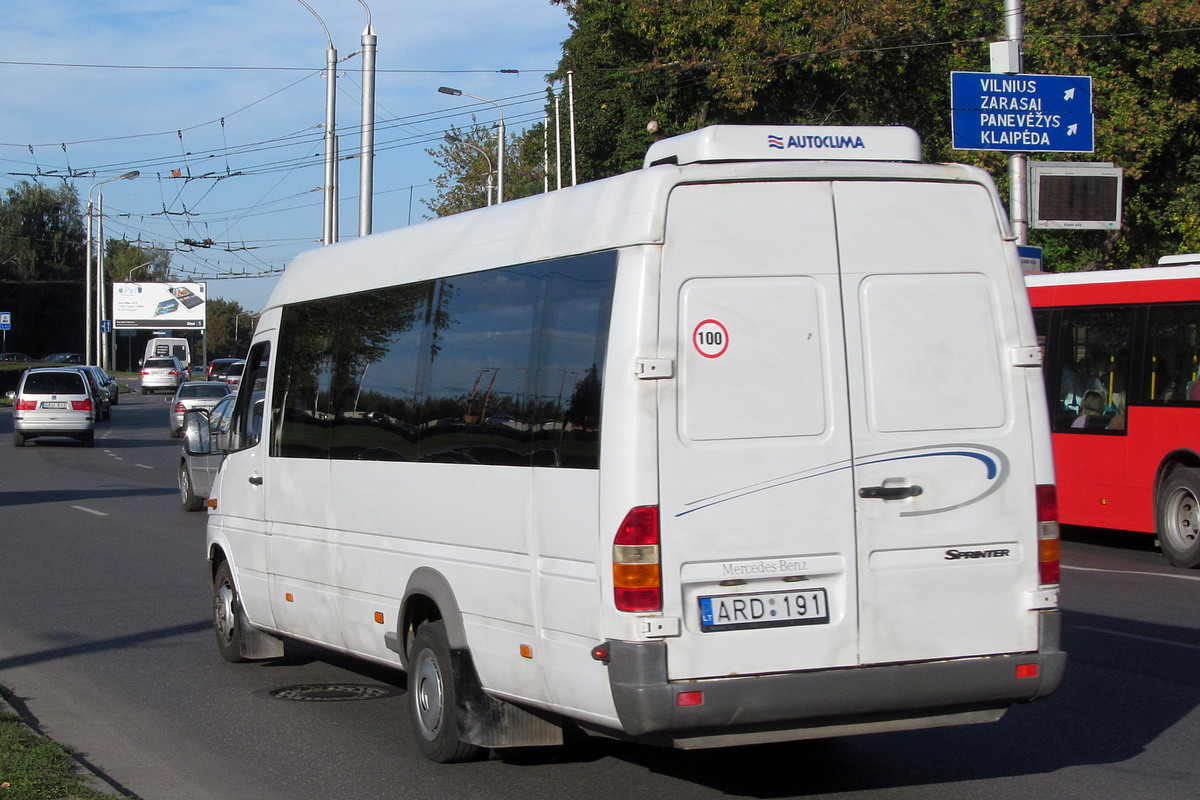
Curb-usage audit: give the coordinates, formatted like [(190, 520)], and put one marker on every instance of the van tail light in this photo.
[(27, 405), (82, 405), (637, 573), (1049, 548)]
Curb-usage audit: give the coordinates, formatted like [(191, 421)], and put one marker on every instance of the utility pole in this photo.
[(1009, 56), (366, 167)]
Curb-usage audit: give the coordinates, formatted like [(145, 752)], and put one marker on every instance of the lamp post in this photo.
[(330, 233), (90, 352), (499, 139), (129, 275), (366, 167), (459, 140)]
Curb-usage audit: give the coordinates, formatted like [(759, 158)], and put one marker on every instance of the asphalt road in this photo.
[(106, 643)]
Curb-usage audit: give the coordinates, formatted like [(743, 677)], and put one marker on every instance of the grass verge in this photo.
[(33, 767)]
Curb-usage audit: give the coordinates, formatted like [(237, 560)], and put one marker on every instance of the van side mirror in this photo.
[(197, 436)]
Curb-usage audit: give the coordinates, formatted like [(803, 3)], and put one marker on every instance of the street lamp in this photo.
[(99, 280), (459, 140), (366, 167), (129, 275), (330, 234), (499, 140)]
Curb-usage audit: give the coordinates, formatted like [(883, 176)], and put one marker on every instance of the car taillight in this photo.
[(179, 408), (27, 405), (1049, 548), (145, 372), (82, 405), (174, 372), (637, 574)]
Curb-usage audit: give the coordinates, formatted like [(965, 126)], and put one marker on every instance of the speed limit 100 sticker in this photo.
[(710, 339)]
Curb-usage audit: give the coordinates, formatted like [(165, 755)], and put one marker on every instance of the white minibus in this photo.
[(749, 445), (167, 346)]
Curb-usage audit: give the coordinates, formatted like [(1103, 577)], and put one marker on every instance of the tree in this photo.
[(42, 236), (42, 248), (683, 65), (122, 258), (467, 159)]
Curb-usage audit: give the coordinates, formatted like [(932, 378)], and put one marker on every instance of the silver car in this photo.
[(194, 394), (198, 466), (53, 402), (162, 372)]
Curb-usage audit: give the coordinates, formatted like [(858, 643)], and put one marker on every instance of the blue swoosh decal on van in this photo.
[(994, 461)]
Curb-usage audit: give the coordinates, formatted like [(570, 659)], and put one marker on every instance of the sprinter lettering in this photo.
[(955, 555)]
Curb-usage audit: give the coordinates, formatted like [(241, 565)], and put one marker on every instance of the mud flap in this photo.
[(490, 722)]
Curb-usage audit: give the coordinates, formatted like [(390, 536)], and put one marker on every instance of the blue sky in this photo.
[(231, 94)]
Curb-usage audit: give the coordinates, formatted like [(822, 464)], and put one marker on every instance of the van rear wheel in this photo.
[(432, 698), (1179, 518)]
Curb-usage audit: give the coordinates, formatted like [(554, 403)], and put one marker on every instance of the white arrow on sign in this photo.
[(1072, 130), (1069, 94)]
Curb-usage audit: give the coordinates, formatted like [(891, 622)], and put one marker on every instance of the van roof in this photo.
[(787, 143)]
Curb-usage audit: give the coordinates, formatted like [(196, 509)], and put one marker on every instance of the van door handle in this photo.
[(256, 480), (889, 492)]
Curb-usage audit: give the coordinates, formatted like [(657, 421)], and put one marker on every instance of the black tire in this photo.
[(227, 616), (187, 497), (432, 698), (18, 439), (145, 390), (88, 439), (1179, 518)]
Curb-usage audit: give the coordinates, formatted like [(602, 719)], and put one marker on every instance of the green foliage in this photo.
[(467, 160), (42, 236), (684, 64), (125, 262)]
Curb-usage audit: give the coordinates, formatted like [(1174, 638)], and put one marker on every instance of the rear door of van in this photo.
[(838, 447)]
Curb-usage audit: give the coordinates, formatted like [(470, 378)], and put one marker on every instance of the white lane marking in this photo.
[(91, 511), (145, 466), (1153, 639), (1136, 572)]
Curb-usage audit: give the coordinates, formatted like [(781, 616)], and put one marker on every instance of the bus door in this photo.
[(755, 489), (940, 413)]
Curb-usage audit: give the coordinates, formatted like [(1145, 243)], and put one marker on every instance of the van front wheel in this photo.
[(432, 698), (1179, 518), (226, 618)]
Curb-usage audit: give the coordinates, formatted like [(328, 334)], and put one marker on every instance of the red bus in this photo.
[(1122, 367)]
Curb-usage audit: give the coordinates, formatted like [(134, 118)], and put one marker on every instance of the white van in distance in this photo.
[(749, 445)]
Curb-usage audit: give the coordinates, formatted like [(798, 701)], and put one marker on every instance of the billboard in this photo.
[(159, 305)]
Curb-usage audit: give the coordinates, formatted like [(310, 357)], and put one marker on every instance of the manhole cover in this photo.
[(331, 692)]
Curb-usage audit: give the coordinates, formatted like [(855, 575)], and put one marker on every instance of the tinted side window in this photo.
[(499, 367), (1173, 355)]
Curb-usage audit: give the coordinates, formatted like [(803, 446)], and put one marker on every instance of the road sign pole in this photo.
[(1018, 163)]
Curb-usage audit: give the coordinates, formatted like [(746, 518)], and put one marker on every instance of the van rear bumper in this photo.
[(832, 702)]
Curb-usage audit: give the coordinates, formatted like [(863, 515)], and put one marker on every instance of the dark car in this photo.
[(100, 396), (65, 358), (14, 357), (108, 383), (219, 366)]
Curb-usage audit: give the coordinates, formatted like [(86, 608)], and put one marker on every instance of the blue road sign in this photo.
[(5, 321), (1022, 113)]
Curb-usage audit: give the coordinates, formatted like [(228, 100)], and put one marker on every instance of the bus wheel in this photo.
[(432, 697), (225, 615), (1179, 518)]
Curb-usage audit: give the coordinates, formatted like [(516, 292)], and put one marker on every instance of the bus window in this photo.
[(1173, 338), (1093, 370)]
